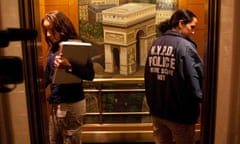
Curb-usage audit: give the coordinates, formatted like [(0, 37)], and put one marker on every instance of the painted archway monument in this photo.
[(129, 30)]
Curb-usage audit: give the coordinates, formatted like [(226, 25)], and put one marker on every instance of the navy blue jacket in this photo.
[(173, 78), (67, 93)]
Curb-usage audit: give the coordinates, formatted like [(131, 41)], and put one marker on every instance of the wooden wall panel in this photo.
[(195, 1), (199, 11), (62, 8), (182, 3), (69, 7), (200, 38), (199, 8), (57, 2)]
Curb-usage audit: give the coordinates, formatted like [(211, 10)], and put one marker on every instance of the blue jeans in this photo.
[(66, 123), (165, 132)]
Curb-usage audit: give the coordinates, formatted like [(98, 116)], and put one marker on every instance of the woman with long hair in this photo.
[(67, 100)]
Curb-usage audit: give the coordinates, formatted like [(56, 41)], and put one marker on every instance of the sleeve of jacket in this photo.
[(193, 71)]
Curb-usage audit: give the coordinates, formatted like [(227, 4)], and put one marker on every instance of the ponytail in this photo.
[(164, 26)]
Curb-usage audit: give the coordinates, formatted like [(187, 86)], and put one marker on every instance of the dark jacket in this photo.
[(173, 78), (67, 93)]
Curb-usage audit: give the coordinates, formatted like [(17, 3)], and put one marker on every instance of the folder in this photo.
[(74, 51)]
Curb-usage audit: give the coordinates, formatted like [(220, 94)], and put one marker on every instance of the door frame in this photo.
[(33, 72), (211, 67)]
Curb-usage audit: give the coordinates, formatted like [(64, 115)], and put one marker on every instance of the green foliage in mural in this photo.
[(91, 31)]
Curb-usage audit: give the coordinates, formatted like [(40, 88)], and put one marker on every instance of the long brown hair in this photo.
[(61, 24)]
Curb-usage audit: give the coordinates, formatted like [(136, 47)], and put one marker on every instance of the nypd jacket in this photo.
[(173, 78)]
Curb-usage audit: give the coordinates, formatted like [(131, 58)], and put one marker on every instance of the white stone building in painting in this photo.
[(129, 30)]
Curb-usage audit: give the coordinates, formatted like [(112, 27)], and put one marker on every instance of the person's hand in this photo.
[(62, 62)]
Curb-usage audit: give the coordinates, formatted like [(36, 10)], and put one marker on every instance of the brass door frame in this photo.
[(29, 17), (33, 74), (211, 63)]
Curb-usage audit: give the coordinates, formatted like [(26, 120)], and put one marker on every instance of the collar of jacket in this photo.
[(173, 33)]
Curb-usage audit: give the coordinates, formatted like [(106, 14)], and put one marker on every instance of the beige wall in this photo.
[(14, 128), (228, 94)]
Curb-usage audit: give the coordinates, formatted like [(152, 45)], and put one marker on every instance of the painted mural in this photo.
[(121, 32)]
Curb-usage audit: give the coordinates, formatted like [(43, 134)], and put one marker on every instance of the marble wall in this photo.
[(14, 127), (228, 85)]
